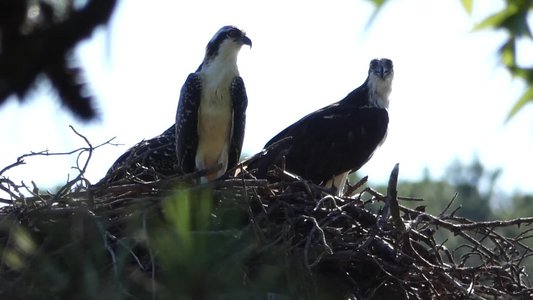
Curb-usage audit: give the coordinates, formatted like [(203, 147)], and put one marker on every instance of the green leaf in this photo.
[(203, 207), (23, 241), (517, 24), (467, 5), (13, 259), (508, 52), (496, 20), (177, 210), (526, 97), (525, 74), (379, 5), (188, 210)]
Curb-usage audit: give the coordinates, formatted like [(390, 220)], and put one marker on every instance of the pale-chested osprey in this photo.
[(210, 120), (211, 115), (328, 144)]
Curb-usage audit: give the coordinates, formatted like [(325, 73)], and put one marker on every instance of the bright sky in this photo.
[(450, 96)]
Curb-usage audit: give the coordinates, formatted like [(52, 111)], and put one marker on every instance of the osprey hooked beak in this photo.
[(238, 36), (246, 40)]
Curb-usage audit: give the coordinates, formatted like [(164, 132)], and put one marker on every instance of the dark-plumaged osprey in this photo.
[(328, 144), (211, 112)]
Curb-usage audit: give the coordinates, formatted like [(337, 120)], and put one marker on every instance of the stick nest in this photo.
[(248, 238)]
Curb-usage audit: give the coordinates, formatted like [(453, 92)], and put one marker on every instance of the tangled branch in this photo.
[(363, 245), (13, 189)]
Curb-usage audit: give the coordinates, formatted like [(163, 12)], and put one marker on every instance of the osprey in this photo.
[(148, 160), (328, 144), (211, 112), (209, 128)]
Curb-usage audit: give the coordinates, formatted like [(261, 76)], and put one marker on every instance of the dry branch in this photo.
[(329, 244)]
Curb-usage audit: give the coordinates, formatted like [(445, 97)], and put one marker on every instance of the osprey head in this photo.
[(227, 42), (381, 68), (380, 75)]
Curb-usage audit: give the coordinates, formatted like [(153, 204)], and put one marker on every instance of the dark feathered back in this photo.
[(338, 138)]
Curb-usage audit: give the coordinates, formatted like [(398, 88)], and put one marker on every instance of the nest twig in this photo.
[(340, 246)]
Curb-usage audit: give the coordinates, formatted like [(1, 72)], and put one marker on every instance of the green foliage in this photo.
[(521, 206), (71, 261), (524, 99), (474, 185), (437, 193), (513, 20), (211, 252), (182, 250), (470, 185), (378, 4), (467, 5), (187, 210), (197, 257)]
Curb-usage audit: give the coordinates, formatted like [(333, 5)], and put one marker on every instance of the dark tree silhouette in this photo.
[(37, 39)]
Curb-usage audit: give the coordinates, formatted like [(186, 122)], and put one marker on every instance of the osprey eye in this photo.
[(234, 33)]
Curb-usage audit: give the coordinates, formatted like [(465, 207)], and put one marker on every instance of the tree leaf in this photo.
[(177, 210), (496, 20), (379, 5), (467, 5), (526, 97), (517, 24), (508, 53), (525, 74)]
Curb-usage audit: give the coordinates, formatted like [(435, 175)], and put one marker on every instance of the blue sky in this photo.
[(449, 101)]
